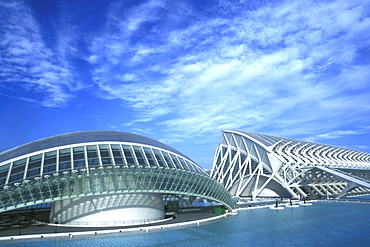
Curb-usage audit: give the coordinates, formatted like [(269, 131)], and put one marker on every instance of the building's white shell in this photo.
[(257, 165)]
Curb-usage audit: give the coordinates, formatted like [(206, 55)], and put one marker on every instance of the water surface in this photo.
[(323, 224)]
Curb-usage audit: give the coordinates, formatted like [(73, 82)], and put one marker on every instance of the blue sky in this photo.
[(181, 71)]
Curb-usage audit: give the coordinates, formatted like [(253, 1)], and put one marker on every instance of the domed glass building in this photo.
[(102, 178)]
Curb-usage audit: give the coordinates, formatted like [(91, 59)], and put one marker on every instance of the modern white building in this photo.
[(102, 178), (258, 165)]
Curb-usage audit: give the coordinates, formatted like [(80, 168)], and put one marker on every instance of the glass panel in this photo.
[(64, 159), (79, 164), (78, 157), (104, 151), (178, 165), (104, 154), (183, 163), (78, 153), (118, 161), (50, 162), (159, 158), (4, 173), (33, 173), (92, 155), (34, 166), (91, 148), (139, 155), (17, 170), (116, 150), (64, 155), (191, 166), (50, 154), (129, 158), (106, 161), (149, 156), (168, 160), (65, 151), (93, 162), (64, 166), (49, 169)]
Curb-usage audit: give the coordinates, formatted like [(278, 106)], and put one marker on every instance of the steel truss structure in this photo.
[(257, 165), (92, 163)]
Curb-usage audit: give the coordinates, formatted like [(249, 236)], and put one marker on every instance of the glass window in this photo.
[(93, 162), (65, 151), (183, 163), (79, 164), (17, 170), (177, 163), (64, 166), (168, 160), (116, 150), (50, 162), (139, 155), (191, 166), (91, 151), (128, 154), (78, 153), (118, 161), (149, 156), (78, 157), (4, 169), (92, 156), (51, 154), (104, 154), (49, 169), (64, 155), (34, 166), (64, 159), (158, 156)]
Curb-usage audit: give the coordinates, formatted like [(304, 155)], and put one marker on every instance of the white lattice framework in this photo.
[(257, 165)]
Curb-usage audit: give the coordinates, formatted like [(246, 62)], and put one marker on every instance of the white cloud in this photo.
[(287, 66), (27, 62), (339, 134)]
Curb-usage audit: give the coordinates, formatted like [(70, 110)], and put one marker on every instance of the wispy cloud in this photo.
[(28, 66), (273, 67), (340, 133), (336, 134)]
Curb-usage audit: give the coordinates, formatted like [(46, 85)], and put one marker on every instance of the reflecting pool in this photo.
[(323, 224)]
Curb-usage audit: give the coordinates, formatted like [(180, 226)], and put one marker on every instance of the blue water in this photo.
[(323, 224)]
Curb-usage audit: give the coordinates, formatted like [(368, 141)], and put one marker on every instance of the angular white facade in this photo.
[(258, 165)]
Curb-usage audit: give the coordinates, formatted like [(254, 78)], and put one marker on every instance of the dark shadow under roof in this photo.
[(82, 137)]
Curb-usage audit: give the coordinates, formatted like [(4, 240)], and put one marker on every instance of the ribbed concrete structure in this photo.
[(258, 165)]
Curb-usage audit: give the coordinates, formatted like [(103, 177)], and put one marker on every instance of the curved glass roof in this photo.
[(82, 137)]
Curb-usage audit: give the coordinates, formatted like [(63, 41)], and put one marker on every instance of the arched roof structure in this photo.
[(81, 137), (89, 163), (252, 164)]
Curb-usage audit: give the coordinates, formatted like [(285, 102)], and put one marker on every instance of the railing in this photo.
[(112, 223)]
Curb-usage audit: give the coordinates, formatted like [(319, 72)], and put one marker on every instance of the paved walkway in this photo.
[(183, 219)]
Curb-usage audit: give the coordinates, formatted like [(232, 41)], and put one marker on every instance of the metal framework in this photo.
[(257, 165), (85, 168)]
